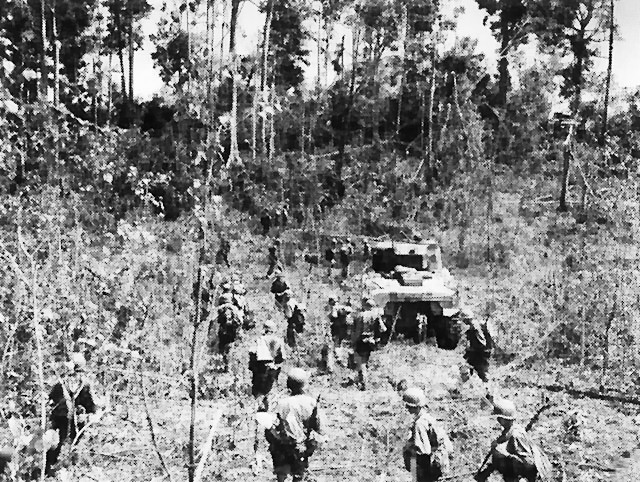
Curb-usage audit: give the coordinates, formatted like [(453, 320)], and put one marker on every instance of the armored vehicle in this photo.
[(418, 295)]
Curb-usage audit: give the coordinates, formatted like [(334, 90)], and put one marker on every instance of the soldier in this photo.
[(265, 221), (274, 257), (295, 313), (281, 290), (478, 352), (514, 454), (366, 250), (330, 256), (346, 251), (426, 454), (339, 324), (222, 255), (229, 320), (71, 402), (293, 438), (368, 326), (265, 363), (285, 216)]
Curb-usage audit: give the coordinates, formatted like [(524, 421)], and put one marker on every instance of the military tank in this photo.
[(418, 295)]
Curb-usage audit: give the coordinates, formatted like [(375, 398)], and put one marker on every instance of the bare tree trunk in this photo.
[(605, 120), (131, 53), (503, 63), (266, 34), (123, 84), (109, 88), (403, 44), (44, 71), (56, 55), (234, 155), (566, 163)]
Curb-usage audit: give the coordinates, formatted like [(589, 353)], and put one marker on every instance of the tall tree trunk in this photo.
[(605, 120), (503, 64), (131, 54), (44, 71), (403, 45), (264, 77), (234, 154), (56, 55), (123, 84)]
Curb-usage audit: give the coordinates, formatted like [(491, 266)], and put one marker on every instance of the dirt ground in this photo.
[(587, 440)]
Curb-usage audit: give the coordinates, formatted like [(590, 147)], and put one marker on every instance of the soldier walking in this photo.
[(273, 258), (514, 454), (295, 313), (294, 437), (368, 326), (229, 320), (426, 454), (339, 324), (71, 401), (222, 255), (265, 363), (480, 347), (265, 221), (281, 290), (346, 251), (330, 256)]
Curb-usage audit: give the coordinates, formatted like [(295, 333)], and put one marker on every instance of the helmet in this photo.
[(225, 298), (298, 375), (77, 362), (348, 240), (504, 408), (276, 242), (466, 314), (414, 397), (226, 286), (270, 326), (334, 240), (331, 300), (366, 301)]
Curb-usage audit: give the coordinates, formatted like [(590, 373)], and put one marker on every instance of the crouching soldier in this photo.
[(368, 326), (293, 438), (265, 363), (514, 454), (71, 401), (229, 320), (426, 454), (480, 347)]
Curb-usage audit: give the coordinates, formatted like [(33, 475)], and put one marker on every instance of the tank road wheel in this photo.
[(448, 333)]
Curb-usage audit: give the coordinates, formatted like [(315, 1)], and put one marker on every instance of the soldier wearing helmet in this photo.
[(514, 454), (295, 313), (346, 251), (368, 326), (330, 256), (293, 438), (480, 346), (427, 452), (230, 319), (280, 289), (71, 402), (273, 257), (265, 362)]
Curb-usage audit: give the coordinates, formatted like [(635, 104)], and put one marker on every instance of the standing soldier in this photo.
[(265, 363), (366, 250), (295, 313), (285, 216), (281, 290), (265, 221), (478, 352), (229, 322), (273, 257), (368, 326), (293, 438), (339, 321), (330, 256), (346, 250), (426, 454), (222, 255), (514, 454), (71, 401)]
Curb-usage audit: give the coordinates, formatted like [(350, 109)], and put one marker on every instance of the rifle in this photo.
[(547, 404)]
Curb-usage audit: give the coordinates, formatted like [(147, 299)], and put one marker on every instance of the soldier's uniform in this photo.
[(265, 221), (346, 251), (294, 312), (426, 454), (368, 326), (281, 290), (273, 257), (265, 363), (293, 439), (339, 322), (514, 454), (330, 256), (480, 346), (71, 401), (229, 324), (222, 255)]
